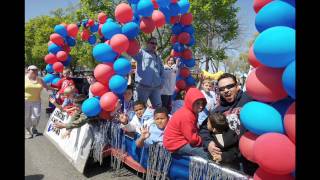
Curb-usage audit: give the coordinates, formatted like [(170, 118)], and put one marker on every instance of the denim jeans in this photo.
[(166, 102), (194, 151), (143, 93)]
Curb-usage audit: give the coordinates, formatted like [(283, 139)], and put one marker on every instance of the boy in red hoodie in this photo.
[(181, 134)]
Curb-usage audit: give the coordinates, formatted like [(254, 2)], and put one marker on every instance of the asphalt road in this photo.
[(44, 161)]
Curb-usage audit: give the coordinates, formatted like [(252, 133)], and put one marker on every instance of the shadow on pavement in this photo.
[(34, 177)]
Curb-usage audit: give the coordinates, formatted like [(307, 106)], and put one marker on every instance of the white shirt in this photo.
[(211, 98), (169, 74), (135, 124)]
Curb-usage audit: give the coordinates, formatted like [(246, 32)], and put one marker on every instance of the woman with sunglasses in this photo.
[(32, 91)]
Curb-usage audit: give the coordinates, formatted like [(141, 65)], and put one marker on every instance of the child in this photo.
[(178, 102), (210, 95), (181, 134), (128, 102), (67, 105), (154, 134), (64, 82), (78, 118), (225, 139), (141, 118)]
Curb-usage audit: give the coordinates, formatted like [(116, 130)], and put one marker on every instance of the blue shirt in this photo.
[(149, 69), (156, 134)]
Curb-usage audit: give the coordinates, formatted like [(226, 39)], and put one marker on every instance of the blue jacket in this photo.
[(149, 69)]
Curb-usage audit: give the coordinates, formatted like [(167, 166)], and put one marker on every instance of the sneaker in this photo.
[(34, 131), (27, 134)]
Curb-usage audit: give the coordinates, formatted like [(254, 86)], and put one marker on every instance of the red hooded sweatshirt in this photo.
[(182, 128)]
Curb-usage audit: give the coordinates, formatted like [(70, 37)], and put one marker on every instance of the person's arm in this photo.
[(145, 134), (190, 133), (44, 85), (125, 124), (138, 57), (53, 101), (161, 70), (58, 84), (230, 155)]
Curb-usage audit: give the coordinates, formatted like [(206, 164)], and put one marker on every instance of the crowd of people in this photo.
[(201, 121)]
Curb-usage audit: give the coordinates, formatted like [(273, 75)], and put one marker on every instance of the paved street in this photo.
[(44, 161)]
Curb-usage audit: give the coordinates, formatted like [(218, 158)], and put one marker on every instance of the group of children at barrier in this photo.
[(178, 130)]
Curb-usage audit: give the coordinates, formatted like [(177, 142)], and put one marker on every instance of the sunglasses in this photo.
[(154, 43), (227, 87)]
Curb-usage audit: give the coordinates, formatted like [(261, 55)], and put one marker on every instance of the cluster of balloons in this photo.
[(270, 120)]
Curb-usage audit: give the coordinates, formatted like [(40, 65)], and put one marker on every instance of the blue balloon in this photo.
[(166, 12), (131, 30), (67, 62), (53, 48), (84, 22), (192, 41), (292, 2), (109, 29), (55, 80), (95, 27), (122, 66), (91, 107), (163, 3), (109, 20), (48, 78), (179, 78), (92, 39), (189, 63), (184, 6), (177, 29), (289, 79), (276, 13), (145, 8), (61, 30), (178, 47), (190, 81), (260, 118), (131, 2), (136, 19), (282, 105), (49, 68), (118, 84), (174, 9), (104, 53), (189, 29), (70, 41), (276, 46)]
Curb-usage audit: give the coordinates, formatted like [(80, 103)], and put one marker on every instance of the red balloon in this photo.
[(253, 59), (67, 49), (123, 13), (58, 67), (119, 43), (57, 39), (186, 19), (62, 56), (246, 143), (175, 53), (275, 153), (187, 54), (184, 72), (72, 30), (50, 58), (90, 22), (258, 4), (290, 122), (103, 72), (134, 47), (158, 18), (260, 174), (147, 25), (265, 84), (105, 115), (108, 101), (173, 39), (85, 35), (181, 84), (98, 89), (184, 38), (155, 4), (99, 30), (102, 17), (174, 19)]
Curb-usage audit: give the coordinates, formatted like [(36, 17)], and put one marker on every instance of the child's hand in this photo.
[(66, 134), (217, 158), (52, 100), (123, 118), (144, 132), (59, 125)]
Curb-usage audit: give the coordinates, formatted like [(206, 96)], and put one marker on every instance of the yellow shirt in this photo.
[(32, 90)]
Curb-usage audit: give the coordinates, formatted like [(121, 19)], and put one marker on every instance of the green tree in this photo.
[(216, 26)]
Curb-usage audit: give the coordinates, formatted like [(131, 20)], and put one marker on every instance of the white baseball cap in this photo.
[(32, 67)]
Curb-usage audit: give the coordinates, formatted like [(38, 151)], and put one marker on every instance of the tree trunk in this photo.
[(207, 64)]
